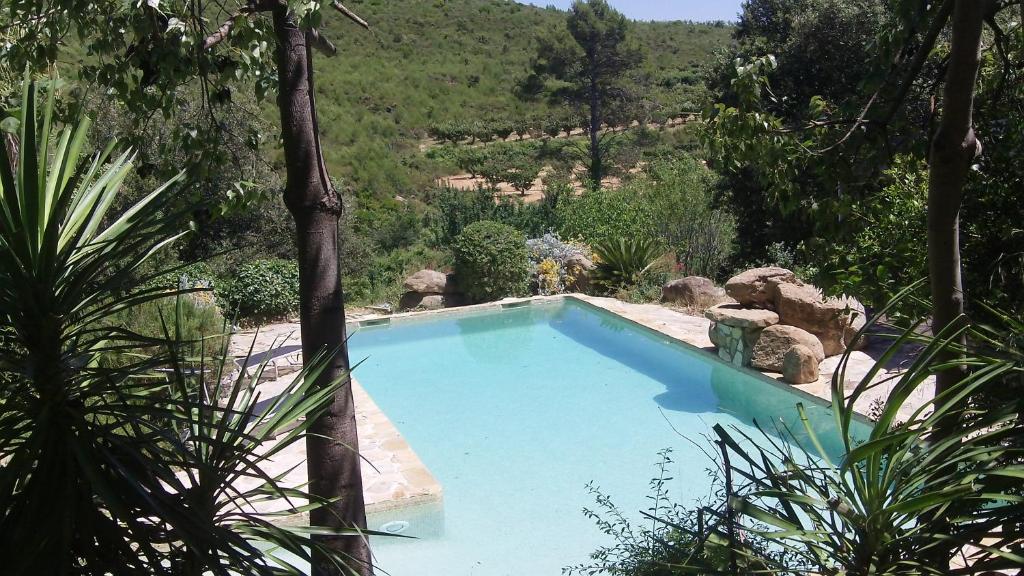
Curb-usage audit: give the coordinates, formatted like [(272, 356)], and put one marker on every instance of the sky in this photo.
[(699, 10)]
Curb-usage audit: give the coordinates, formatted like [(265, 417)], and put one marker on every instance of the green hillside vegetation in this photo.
[(431, 63)]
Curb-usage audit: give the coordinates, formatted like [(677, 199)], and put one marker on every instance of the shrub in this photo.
[(626, 262), (491, 261), (191, 320), (456, 209), (548, 255), (673, 200), (263, 289), (604, 214), (886, 252), (670, 537)]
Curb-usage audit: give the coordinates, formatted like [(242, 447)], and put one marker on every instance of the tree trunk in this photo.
[(332, 449), (953, 148), (596, 169)]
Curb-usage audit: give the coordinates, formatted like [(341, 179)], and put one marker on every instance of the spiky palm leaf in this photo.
[(120, 470), (898, 502), (625, 262)]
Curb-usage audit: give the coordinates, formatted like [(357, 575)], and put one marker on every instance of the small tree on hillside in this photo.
[(587, 68)]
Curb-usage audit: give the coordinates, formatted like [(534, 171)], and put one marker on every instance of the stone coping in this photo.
[(393, 475), (396, 477)]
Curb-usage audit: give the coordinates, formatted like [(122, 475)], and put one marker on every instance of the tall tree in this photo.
[(953, 149), (589, 69), (170, 44), (821, 154)]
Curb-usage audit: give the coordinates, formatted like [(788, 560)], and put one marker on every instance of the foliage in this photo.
[(604, 214), (263, 289), (454, 210), (682, 197), (674, 200), (627, 262), (123, 467), (425, 65), (657, 548), (820, 101), (548, 258), (197, 321), (886, 253), (589, 71), (894, 501), (491, 261)]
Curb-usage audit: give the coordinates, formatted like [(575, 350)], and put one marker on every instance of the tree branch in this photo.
[(906, 81), (927, 43), (224, 30), (321, 43), (350, 14)]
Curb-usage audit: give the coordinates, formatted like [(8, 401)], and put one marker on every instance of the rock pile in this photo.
[(796, 327), (430, 290)]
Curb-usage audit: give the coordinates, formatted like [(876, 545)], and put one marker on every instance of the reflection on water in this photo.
[(686, 380), (698, 383)]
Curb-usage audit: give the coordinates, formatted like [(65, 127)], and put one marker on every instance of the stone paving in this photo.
[(694, 330), (395, 476)]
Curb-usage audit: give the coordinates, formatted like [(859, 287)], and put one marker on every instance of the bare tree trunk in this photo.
[(596, 169), (332, 449), (953, 148)]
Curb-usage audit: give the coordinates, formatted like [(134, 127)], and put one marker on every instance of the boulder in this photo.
[(430, 282), (751, 288), (694, 291), (734, 315), (776, 340), (831, 320), (800, 365), (734, 330), (411, 300), (577, 269)]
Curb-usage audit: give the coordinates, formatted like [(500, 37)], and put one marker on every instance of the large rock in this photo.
[(577, 269), (695, 291), (413, 300), (430, 282), (776, 340), (734, 315), (735, 330), (800, 365), (751, 288), (832, 320)]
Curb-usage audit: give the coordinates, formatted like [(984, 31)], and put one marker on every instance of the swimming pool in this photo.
[(515, 410)]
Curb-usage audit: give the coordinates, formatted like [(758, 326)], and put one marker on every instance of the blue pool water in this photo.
[(516, 410)]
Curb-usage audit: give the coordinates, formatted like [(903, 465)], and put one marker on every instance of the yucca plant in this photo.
[(908, 500), (133, 468), (626, 262)]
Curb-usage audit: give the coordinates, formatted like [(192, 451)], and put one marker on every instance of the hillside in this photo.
[(430, 62)]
